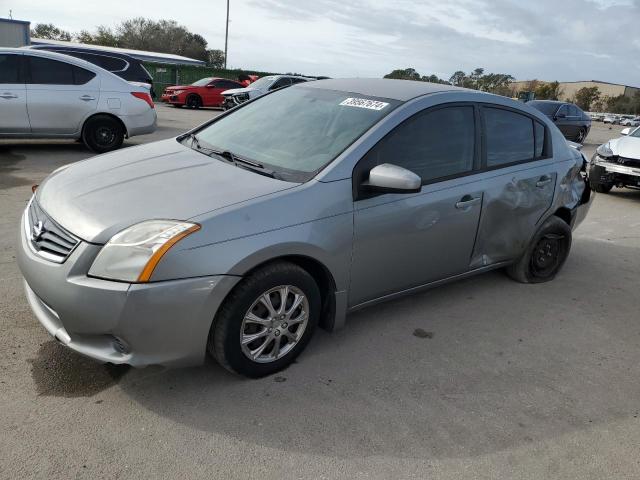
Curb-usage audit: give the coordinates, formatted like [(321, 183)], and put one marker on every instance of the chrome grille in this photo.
[(46, 238)]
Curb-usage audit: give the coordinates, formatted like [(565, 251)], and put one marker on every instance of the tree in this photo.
[(404, 74), (548, 91), (50, 32), (586, 96), (102, 36), (458, 78), (215, 58)]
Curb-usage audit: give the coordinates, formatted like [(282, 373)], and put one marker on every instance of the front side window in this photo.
[(296, 131), (509, 137), (435, 144), (573, 111), (283, 82), (563, 111), (9, 69)]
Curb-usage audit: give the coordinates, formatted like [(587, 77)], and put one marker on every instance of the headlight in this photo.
[(177, 92), (133, 254), (605, 151)]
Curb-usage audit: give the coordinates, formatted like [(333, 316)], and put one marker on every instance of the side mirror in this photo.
[(625, 131), (211, 85), (389, 178)]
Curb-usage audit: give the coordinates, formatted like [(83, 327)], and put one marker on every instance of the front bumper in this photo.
[(164, 323), (610, 173)]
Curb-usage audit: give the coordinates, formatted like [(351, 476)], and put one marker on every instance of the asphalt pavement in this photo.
[(481, 379)]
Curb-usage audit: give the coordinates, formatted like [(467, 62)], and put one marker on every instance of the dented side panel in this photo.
[(514, 202)]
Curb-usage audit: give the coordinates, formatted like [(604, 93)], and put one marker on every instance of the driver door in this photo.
[(404, 240)]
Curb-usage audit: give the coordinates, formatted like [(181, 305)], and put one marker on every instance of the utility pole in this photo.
[(226, 37)]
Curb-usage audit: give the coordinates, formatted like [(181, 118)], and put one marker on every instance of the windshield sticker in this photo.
[(364, 103)]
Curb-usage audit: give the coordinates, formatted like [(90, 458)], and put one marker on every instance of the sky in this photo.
[(563, 40)]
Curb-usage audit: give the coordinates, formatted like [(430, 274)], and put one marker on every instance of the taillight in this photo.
[(144, 96)]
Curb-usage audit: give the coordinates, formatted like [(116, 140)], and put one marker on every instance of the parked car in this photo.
[(630, 121), (239, 239), (616, 163), (611, 119), (120, 64), (206, 92), (49, 95), (569, 118), (258, 88)]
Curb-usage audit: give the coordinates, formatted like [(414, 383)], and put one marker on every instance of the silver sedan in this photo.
[(242, 236)]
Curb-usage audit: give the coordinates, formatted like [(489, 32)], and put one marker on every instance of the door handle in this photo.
[(545, 180), (467, 201), (87, 98), (8, 95)]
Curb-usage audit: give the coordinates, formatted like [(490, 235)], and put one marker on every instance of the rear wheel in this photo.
[(266, 321), (546, 254), (194, 101), (103, 133), (602, 188)]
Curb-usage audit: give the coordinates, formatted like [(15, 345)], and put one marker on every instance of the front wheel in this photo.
[(194, 101), (546, 254), (266, 321), (103, 133), (581, 135)]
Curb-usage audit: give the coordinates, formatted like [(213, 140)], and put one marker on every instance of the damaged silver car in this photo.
[(239, 240)]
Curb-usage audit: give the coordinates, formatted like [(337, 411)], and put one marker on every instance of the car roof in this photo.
[(558, 102), (402, 90), (92, 51)]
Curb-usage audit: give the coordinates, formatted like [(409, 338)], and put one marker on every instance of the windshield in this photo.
[(547, 108), (202, 82), (263, 82), (635, 133), (296, 131)]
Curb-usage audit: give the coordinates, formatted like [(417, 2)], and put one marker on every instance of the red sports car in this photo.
[(206, 92)]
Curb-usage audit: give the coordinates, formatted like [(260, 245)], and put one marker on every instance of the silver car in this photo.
[(49, 95), (238, 240)]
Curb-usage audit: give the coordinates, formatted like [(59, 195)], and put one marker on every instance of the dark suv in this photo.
[(120, 64), (569, 118)]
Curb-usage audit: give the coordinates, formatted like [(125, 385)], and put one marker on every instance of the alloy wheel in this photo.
[(274, 324)]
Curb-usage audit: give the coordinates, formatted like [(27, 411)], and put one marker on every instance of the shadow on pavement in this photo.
[(491, 374)]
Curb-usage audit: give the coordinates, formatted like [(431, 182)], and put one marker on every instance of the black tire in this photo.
[(601, 187), (224, 337), (581, 135), (102, 133), (194, 101), (546, 254)]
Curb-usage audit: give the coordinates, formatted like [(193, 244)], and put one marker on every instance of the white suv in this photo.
[(50, 95)]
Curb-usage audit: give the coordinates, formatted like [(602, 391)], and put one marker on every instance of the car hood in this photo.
[(234, 91), (628, 147), (179, 87), (96, 198)]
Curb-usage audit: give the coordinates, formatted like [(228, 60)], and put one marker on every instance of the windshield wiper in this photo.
[(232, 158)]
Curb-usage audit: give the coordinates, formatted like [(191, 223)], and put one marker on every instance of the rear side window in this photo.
[(434, 145), (44, 71), (81, 76), (509, 137), (10, 69)]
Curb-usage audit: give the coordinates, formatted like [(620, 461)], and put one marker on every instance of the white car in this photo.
[(617, 162), (630, 122), (263, 85), (50, 95)]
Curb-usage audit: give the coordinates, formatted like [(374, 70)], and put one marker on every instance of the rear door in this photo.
[(520, 179), (563, 121), (13, 95), (407, 240), (60, 96)]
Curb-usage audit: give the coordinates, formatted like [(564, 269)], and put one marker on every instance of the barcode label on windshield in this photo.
[(364, 103)]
